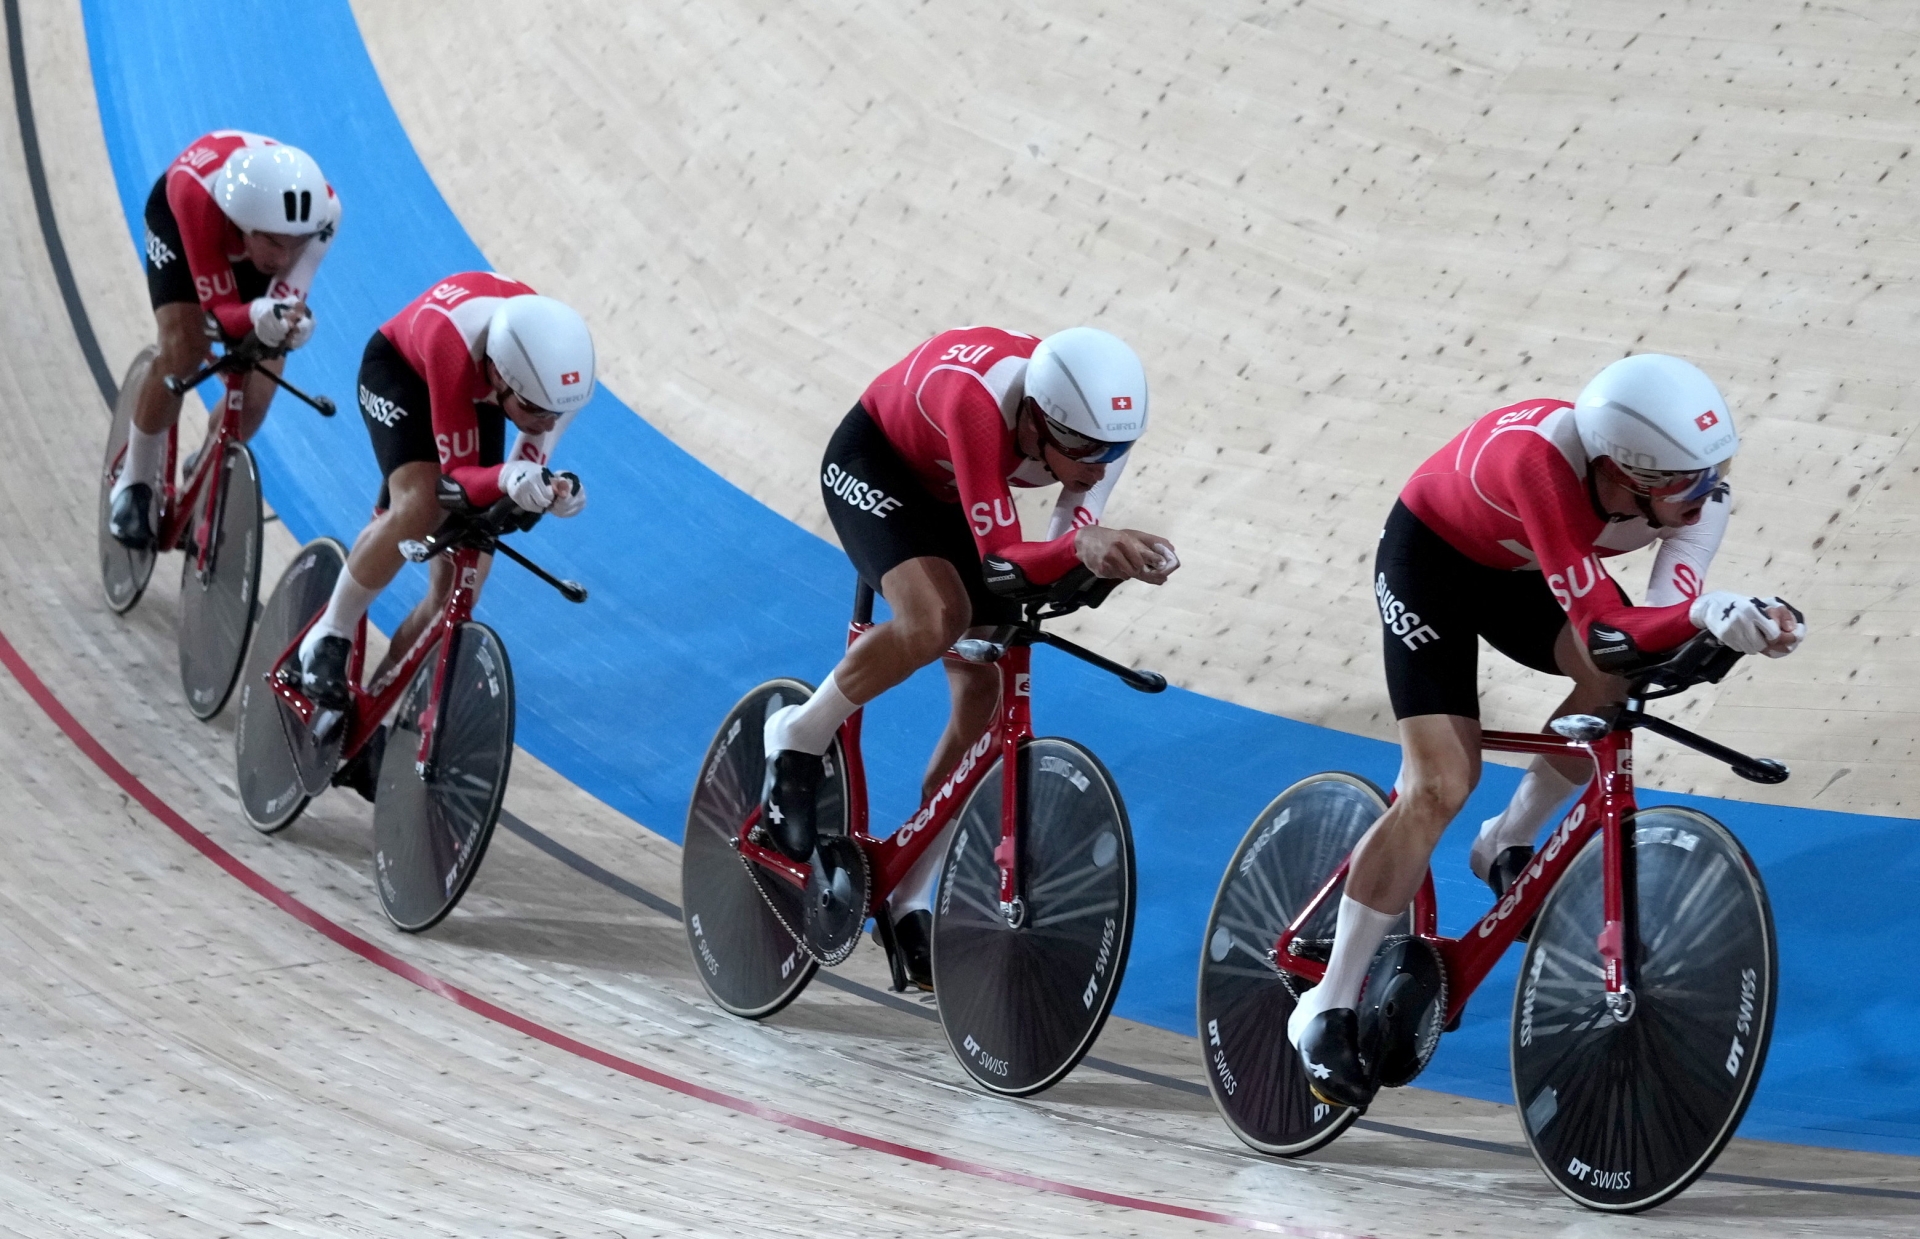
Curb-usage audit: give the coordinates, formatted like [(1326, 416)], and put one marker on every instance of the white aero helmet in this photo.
[(1655, 415), (273, 188), (544, 352), (1093, 391)]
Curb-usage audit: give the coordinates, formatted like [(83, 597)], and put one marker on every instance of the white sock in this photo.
[(1541, 792), (349, 602), (917, 889), (1357, 935), (146, 459), (810, 726)]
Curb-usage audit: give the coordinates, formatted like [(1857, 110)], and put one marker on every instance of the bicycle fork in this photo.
[(1613, 759), (1016, 710)]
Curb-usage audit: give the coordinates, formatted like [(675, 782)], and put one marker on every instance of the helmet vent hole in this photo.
[(306, 205), (292, 202)]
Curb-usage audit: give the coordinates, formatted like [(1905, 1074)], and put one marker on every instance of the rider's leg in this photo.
[(930, 611), (413, 511), (1549, 780), (1440, 766), (975, 688), (183, 344)]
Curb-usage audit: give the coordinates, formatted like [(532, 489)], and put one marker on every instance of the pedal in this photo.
[(835, 900), (1402, 1007)]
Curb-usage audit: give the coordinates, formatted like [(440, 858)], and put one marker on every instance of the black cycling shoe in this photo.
[(913, 938), (131, 523), (786, 801), (1329, 1051), (323, 675), (1505, 871), (362, 773)]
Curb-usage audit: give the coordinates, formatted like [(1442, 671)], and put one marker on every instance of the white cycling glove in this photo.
[(570, 503), (527, 485), (1741, 623), (276, 324)]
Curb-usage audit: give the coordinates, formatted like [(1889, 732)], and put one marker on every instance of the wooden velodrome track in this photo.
[(184, 1057)]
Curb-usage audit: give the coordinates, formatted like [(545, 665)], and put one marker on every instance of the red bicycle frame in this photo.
[(371, 704), (894, 857), (199, 489), (1605, 807)]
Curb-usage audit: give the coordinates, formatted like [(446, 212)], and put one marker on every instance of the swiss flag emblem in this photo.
[(1707, 420), (1122, 402), (573, 376)]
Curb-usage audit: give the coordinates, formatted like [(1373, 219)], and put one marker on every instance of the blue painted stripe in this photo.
[(700, 591)]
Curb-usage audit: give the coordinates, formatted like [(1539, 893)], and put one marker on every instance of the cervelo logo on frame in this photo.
[(960, 772), (1554, 845)]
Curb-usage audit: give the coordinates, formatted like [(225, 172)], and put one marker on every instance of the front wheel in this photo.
[(271, 744), (432, 819), (1624, 1113), (123, 573), (744, 925), (1023, 996), (216, 605), (1288, 854)]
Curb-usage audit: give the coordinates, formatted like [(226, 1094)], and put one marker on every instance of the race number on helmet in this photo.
[(544, 352), (1656, 414), (273, 188), (1091, 386)]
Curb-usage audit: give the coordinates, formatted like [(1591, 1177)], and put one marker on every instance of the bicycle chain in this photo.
[(766, 896)]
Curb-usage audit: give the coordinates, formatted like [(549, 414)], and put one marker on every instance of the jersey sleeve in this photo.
[(202, 226), (970, 417), (1077, 508), (1554, 509), (539, 448), (448, 370), (298, 282), (1680, 565)]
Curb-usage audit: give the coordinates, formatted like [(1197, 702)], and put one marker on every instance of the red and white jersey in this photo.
[(442, 334), (1510, 491), (213, 242), (949, 408)]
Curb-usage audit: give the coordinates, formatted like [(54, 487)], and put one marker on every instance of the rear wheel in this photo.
[(123, 573), (216, 606), (431, 825), (1288, 854), (267, 736), (744, 925), (1623, 1115), (1022, 1003)]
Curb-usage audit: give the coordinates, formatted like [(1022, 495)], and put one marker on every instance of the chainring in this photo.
[(835, 901), (1402, 1008)]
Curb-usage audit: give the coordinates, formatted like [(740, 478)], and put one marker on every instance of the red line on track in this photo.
[(340, 935)]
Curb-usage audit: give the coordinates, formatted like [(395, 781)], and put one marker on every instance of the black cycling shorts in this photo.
[(885, 515), (398, 413), (169, 282), (1435, 602)]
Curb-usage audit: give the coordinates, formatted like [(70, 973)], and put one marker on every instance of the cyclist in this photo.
[(1502, 534), (439, 382), (916, 482), (236, 229)]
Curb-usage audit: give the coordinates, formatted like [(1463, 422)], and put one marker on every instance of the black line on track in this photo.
[(43, 207), (103, 378)]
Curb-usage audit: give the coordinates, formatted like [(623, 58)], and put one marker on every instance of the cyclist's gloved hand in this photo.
[(1769, 626), (527, 484), (570, 501), (280, 321)]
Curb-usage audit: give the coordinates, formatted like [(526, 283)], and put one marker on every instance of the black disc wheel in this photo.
[(432, 818), (1024, 992), (1624, 1108), (123, 573), (1288, 854), (272, 747), (217, 600), (744, 924)]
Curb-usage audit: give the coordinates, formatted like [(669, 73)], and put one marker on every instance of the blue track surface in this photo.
[(699, 592)]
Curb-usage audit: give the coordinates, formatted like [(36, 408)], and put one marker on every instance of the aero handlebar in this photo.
[(241, 358)]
